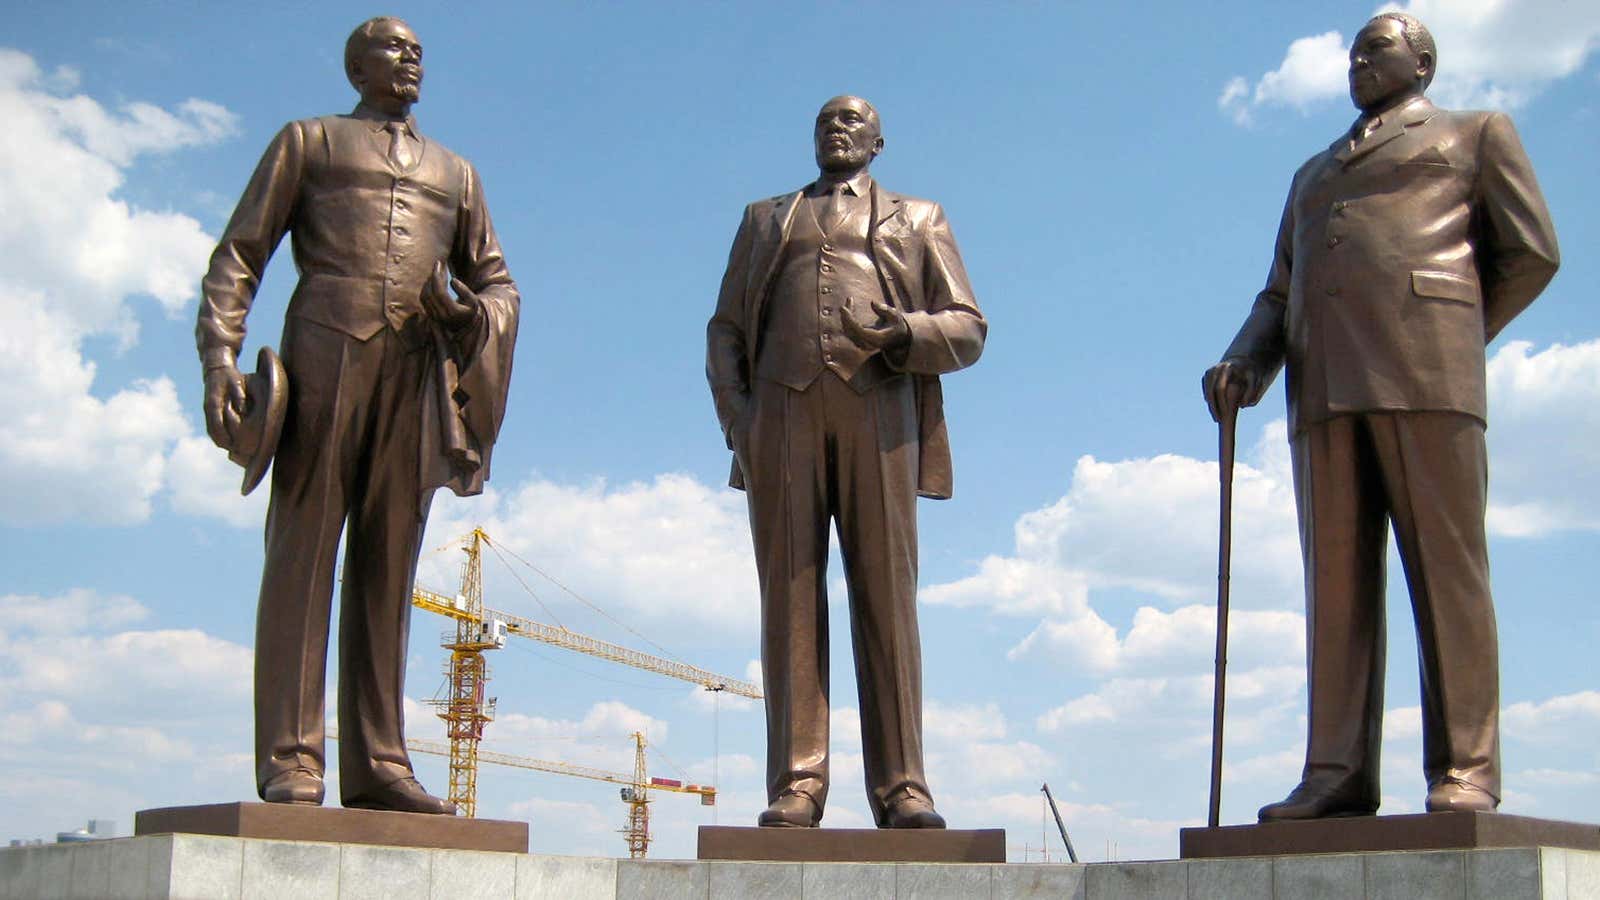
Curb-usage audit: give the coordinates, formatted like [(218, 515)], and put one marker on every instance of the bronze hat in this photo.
[(255, 438)]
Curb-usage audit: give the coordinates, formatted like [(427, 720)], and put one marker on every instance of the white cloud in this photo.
[(115, 719), (1182, 640), (1313, 70), (963, 722), (1492, 53), (1150, 526), (203, 482), (1544, 439), (1570, 718), (69, 613), (1557, 778), (601, 739), (671, 551), (73, 256)]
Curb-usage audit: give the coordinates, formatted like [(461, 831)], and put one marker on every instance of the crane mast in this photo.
[(466, 710)]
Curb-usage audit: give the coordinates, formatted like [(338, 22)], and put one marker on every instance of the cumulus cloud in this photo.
[(1149, 526), (1569, 718), (115, 716), (1182, 640), (601, 738), (74, 258), (1492, 53), (1544, 439), (1313, 70), (67, 648), (1146, 529), (203, 482), (670, 551)]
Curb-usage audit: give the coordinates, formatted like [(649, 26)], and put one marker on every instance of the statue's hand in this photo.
[(225, 399), (1232, 384), (455, 313), (890, 332)]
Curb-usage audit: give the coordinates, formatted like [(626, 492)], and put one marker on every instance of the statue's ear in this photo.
[(1425, 66)]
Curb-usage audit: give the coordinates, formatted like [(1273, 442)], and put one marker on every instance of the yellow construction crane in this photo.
[(466, 710), (635, 792)]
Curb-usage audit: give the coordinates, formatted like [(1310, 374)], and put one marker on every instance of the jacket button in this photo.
[(1333, 241)]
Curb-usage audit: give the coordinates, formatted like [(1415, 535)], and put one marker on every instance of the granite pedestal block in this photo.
[(285, 821), (930, 845), (199, 867), (1430, 831)]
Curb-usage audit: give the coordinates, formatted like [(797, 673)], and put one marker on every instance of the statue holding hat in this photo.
[(396, 358)]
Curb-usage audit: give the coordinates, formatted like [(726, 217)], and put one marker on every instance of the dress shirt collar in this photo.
[(858, 186), (1365, 125), (376, 119)]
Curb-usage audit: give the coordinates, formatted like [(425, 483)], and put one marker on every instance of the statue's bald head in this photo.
[(848, 134)]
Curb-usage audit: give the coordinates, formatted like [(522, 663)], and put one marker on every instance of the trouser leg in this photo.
[(1435, 468), (312, 473), (875, 499), (782, 454), (1343, 538), (387, 515)]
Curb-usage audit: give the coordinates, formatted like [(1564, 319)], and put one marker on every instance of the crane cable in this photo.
[(579, 597)]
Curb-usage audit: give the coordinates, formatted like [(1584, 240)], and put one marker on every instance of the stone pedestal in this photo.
[(1430, 831), (929, 845), (200, 867), (285, 821), (203, 867)]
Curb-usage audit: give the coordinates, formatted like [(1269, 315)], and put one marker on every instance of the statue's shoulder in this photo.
[(768, 207), (918, 211)]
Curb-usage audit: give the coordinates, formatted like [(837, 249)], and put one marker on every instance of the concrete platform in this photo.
[(1429, 831), (332, 824), (199, 867), (985, 845)]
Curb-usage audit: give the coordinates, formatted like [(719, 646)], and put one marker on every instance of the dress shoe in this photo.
[(1455, 795), (792, 809), (298, 786), (1313, 801), (405, 795), (912, 811)]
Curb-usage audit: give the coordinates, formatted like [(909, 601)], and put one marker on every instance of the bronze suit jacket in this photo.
[(1397, 262), (366, 238), (923, 277)]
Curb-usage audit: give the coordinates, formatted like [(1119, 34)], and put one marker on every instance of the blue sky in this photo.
[(1114, 177)]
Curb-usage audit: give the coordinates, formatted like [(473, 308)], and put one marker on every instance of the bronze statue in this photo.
[(1405, 247), (395, 389), (841, 305)]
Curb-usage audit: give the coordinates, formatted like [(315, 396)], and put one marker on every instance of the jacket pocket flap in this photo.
[(1444, 286)]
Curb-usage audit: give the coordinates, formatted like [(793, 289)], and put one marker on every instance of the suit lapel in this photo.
[(1394, 124), (774, 237), (885, 204)]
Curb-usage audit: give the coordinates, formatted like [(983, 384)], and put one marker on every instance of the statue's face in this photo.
[(846, 135), (1383, 66), (391, 66)]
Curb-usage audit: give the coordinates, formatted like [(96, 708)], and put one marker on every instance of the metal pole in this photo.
[(1225, 425), (1049, 798)]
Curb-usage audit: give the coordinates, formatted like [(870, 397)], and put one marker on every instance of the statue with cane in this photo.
[(1405, 247)]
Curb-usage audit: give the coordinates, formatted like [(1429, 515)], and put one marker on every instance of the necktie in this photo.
[(833, 210), (399, 150)]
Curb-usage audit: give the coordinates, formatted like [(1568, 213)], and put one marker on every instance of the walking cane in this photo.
[(1225, 425)]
